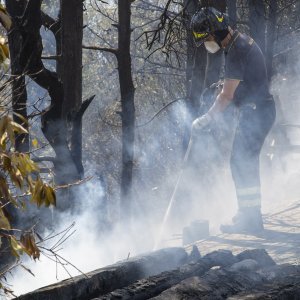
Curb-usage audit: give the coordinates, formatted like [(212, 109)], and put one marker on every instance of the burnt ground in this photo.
[(281, 237), (224, 266)]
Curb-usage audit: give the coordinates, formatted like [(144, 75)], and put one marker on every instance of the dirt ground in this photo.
[(281, 237)]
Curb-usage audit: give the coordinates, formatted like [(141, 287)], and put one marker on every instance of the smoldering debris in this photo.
[(217, 275)]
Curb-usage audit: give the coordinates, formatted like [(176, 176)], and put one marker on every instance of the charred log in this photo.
[(112, 277), (152, 286)]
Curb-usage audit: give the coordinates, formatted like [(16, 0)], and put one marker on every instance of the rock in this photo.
[(195, 255), (221, 258), (245, 265), (260, 255)]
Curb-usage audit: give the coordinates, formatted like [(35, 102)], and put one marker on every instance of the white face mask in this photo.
[(212, 46)]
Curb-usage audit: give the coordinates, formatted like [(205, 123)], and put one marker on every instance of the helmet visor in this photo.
[(199, 38)]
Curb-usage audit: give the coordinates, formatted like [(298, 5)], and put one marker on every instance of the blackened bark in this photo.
[(76, 135), (19, 105), (271, 33), (53, 125), (55, 27), (257, 22), (19, 92), (127, 102), (70, 73)]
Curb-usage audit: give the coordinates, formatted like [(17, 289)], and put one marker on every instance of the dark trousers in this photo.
[(255, 122)]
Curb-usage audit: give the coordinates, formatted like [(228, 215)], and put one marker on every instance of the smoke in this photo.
[(205, 191), (91, 246)]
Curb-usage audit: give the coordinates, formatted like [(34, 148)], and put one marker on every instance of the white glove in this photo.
[(201, 123)]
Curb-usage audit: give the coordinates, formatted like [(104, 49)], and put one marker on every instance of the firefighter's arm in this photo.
[(225, 97), (222, 101)]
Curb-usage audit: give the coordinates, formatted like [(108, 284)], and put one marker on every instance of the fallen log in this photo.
[(113, 277), (154, 285), (244, 280)]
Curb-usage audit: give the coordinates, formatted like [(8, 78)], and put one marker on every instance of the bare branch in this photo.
[(104, 49), (51, 57)]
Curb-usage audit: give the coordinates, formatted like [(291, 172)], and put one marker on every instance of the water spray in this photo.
[(207, 99), (171, 202)]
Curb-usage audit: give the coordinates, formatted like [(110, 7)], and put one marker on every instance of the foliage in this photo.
[(20, 183)]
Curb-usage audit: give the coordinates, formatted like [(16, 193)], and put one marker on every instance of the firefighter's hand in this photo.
[(201, 124)]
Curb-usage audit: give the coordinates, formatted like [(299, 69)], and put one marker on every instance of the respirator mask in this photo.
[(212, 46)]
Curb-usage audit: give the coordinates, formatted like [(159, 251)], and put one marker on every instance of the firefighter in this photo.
[(246, 86)]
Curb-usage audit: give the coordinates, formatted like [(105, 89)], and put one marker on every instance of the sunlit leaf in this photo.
[(28, 242), (16, 248), (5, 18), (4, 223), (50, 194), (4, 191), (17, 127)]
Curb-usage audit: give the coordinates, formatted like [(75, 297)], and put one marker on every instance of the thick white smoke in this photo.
[(198, 197)]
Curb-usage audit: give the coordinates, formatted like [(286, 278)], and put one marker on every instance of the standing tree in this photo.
[(69, 68), (65, 111), (257, 22), (123, 56), (127, 101), (19, 92)]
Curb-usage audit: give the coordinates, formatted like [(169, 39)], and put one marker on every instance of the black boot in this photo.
[(247, 221)]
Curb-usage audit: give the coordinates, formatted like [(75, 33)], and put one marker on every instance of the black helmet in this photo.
[(208, 21)]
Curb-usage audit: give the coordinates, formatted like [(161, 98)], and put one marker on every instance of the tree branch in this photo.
[(104, 49), (50, 23)]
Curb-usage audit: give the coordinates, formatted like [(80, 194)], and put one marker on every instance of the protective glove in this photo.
[(201, 123)]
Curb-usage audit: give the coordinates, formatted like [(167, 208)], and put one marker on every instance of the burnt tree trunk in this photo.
[(127, 102), (69, 50), (53, 125), (19, 92), (70, 73), (271, 33), (257, 22)]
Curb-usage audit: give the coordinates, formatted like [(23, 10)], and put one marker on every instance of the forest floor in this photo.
[(281, 237), (176, 273)]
